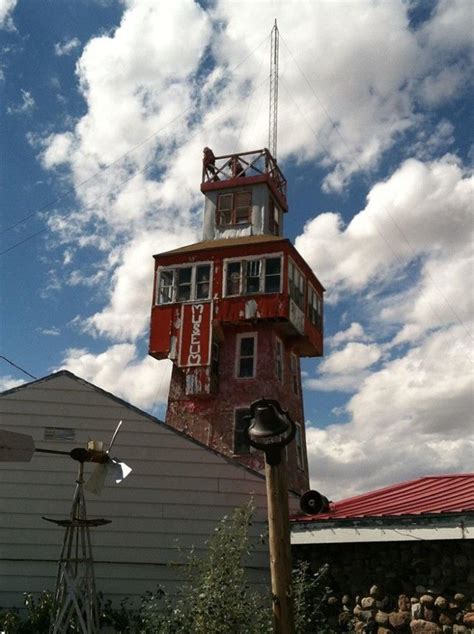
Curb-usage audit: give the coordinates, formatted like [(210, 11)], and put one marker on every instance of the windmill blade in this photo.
[(113, 467), (15, 447), (96, 482), (115, 435), (118, 470)]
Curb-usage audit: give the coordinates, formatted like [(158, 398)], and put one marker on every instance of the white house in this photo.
[(176, 494)]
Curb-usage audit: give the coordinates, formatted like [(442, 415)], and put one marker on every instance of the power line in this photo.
[(200, 129), (17, 367), (74, 190)]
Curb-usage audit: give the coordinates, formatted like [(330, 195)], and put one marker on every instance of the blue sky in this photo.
[(105, 109)]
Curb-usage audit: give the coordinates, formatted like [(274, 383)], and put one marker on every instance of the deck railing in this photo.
[(242, 165)]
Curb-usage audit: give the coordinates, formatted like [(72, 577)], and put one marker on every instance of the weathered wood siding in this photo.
[(176, 493)]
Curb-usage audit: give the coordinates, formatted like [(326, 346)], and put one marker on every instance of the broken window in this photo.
[(234, 209), (185, 283), (246, 277)]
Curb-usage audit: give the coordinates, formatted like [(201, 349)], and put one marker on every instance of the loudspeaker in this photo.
[(313, 503)]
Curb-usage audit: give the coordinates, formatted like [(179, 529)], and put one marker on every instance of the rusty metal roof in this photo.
[(225, 242), (425, 496)]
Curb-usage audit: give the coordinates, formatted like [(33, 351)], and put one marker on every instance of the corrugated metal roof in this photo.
[(225, 242), (424, 496)]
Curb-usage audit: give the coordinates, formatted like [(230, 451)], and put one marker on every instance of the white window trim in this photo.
[(262, 258), (240, 336), (312, 292), (193, 266)]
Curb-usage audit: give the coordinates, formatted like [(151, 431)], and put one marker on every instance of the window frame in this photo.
[(299, 447), (243, 275), (315, 314), (234, 210), (274, 217), (295, 372), (297, 292), (239, 356), (175, 286)]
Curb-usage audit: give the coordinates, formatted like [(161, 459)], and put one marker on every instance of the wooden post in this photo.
[(279, 545)]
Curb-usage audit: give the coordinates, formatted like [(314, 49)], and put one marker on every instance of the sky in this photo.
[(105, 109)]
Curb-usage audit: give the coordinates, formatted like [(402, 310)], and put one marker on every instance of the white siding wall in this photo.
[(175, 494)]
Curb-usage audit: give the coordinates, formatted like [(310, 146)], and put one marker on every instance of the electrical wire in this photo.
[(18, 367), (74, 190)]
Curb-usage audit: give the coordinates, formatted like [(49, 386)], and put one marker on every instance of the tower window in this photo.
[(299, 446), (185, 283), (279, 359), (252, 277), (241, 423), (315, 308), (272, 275), (296, 284), (245, 277), (246, 356), (234, 209), (273, 218), (295, 373)]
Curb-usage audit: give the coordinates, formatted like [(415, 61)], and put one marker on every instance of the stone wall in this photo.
[(407, 587)]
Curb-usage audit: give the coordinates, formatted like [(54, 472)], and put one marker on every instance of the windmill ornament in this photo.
[(75, 596)]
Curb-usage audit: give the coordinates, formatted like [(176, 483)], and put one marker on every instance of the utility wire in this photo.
[(400, 230), (17, 367), (198, 131), (74, 190)]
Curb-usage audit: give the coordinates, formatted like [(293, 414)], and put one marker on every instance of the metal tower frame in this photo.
[(75, 597), (273, 109)]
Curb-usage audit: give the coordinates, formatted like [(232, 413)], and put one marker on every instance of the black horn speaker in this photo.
[(313, 503)]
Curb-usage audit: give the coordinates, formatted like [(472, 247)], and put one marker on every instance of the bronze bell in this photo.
[(267, 422)]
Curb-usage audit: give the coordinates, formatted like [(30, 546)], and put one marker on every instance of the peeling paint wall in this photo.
[(211, 420)]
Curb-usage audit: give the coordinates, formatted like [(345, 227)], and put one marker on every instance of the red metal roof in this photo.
[(428, 495)]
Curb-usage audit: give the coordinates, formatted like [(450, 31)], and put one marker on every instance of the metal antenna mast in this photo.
[(273, 111)]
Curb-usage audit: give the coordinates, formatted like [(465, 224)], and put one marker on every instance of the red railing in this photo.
[(242, 165)]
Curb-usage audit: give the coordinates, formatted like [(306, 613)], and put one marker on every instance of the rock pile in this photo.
[(423, 612)]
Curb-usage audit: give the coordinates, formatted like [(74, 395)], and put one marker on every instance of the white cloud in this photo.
[(49, 332), (355, 332), (413, 416), (8, 382), (422, 210), (355, 356), (127, 313), (6, 9), (26, 106), (143, 381), (67, 46)]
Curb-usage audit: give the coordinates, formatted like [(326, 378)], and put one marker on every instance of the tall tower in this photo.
[(236, 311)]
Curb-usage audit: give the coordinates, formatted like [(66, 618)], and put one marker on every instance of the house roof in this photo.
[(430, 495), (128, 405), (225, 242)]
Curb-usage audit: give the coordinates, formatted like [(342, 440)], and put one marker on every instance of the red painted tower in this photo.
[(236, 312)]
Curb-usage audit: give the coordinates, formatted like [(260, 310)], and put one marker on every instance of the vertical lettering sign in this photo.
[(195, 335)]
